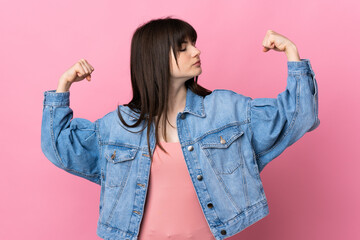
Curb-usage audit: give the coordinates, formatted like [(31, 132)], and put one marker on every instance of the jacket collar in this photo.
[(194, 105)]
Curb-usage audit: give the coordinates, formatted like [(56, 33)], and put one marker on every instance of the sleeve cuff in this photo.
[(52, 98), (299, 66)]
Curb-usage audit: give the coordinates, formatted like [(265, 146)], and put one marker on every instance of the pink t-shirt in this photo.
[(172, 210)]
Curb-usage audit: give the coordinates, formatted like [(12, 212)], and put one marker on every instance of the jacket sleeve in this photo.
[(277, 123), (70, 144)]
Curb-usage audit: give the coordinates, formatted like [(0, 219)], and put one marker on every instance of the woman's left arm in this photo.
[(277, 123)]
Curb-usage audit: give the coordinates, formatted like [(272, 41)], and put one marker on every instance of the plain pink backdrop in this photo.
[(312, 188)]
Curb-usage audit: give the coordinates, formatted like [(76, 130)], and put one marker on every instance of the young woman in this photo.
[(179, 161)]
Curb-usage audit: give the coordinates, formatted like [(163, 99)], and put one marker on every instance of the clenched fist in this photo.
[(77, 72), (280, 43), (275, 41)]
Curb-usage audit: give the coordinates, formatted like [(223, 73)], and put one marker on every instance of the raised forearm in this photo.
[(63, 86), (292, 53)]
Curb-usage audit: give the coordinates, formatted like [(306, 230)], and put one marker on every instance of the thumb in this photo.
[(265, 49)]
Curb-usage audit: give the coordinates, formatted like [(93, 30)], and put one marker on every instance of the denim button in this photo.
[(113, 155), (190, 148), (210, 205), (223, 232), (199, 177), (182, 116)]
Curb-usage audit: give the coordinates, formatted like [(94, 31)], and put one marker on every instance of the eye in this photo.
[(183, 47), (185, 43)]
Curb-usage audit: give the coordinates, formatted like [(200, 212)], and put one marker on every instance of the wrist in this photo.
[(63, 86), (292, 53)]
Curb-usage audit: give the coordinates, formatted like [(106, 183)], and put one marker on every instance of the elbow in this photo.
[(311, 119), (312, 113), (316, 123), (315, 113), (308, 119)]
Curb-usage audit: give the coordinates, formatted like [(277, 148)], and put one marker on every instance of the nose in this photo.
[(196, 51)]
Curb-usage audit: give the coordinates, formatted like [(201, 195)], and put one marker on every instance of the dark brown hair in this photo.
[(150, 70)]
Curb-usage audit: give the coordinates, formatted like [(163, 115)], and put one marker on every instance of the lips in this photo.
[(197, 62)]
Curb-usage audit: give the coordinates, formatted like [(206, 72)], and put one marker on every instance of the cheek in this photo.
[(184, 63), (175, 70), (181, 66)]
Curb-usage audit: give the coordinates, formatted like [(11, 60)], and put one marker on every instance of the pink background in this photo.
[(312, 188)]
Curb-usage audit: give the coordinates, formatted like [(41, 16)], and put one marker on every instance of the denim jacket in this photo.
[(226, 139)]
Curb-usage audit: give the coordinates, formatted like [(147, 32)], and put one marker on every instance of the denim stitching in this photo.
[(228, 143), (97, 130), (218, 130), (292, 121), (242, 166), (119, 193), (228, 194), (196, 189), (96, 176), (89, 136)]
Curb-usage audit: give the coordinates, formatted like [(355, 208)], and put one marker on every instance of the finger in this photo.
[(266, 44), (264, 47), (90, 67), (84, 67), (80, 69), (87, 66), (269, 43), (87, 72)]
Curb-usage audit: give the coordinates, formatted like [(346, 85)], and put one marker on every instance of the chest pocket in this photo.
[(119, 161), (223, 149)]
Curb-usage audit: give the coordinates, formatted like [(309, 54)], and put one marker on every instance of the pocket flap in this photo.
[(222, 138), (117, 154)]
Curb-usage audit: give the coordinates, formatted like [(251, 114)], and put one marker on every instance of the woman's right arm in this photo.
[(63, 86), (70, 144), (76, 73)]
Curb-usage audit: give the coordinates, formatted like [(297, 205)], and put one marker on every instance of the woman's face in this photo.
[(187, 58)]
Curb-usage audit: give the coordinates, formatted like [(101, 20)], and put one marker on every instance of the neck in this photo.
[(177, 99), (176, 102)]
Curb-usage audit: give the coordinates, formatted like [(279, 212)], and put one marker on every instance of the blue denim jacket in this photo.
[(226, 138)]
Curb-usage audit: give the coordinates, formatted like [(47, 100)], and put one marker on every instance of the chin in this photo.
[(196, 75)]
